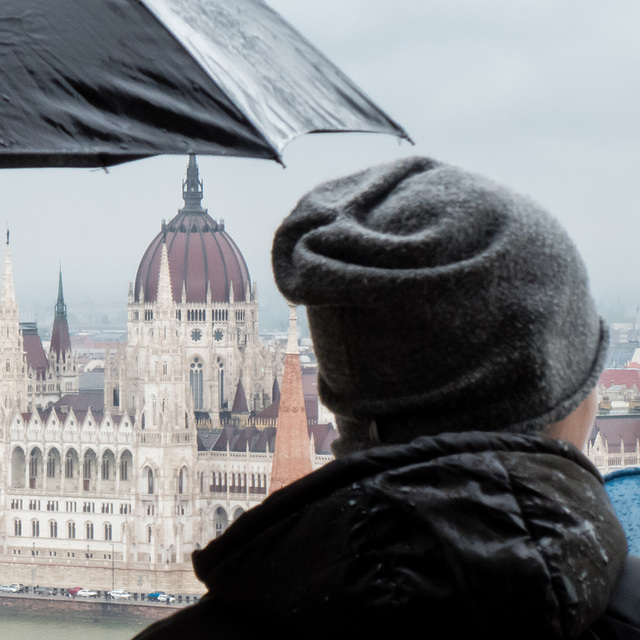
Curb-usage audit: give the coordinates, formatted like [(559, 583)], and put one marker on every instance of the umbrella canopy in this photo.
[(88, 83)]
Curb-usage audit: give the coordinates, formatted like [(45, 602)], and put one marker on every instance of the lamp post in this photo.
[(113, 568), (33, 569)]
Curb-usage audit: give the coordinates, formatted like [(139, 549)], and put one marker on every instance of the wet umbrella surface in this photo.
[(99, 82)]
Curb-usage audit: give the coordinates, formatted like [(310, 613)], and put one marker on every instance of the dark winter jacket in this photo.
[(465, 535)]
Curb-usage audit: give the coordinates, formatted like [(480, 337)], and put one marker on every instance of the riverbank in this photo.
[(100, 573), (17, 626), (83, 609)]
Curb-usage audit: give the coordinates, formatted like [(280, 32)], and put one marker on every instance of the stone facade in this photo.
[(130, 488)]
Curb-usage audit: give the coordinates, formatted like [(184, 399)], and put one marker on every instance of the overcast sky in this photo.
[(542, 96)]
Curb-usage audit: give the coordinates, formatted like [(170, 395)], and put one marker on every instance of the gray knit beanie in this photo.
[(438, 301)]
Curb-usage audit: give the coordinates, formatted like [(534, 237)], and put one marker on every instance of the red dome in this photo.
[(201, 254)]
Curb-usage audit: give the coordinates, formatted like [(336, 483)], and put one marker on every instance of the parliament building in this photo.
[(117, 488)]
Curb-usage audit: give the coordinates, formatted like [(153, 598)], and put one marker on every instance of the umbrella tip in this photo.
[(406, 137)]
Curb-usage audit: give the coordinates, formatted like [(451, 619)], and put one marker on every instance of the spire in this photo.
[(8, 295), (61, 307), (14, 375), (292, 455), (292, 342), (192, 186), (165, 296), (60, 340)]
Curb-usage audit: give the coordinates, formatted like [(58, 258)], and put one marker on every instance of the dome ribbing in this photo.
[(201, 253)]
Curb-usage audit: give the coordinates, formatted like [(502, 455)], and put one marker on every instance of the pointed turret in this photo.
[(164, 297), (292, 455), (240, 400), (60, 340), (8, 296), (275, 390), (192, 187), (13, 376)]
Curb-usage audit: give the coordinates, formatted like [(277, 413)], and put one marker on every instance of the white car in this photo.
[(87, 593), (120, 594), (165, 597), (5, 588)]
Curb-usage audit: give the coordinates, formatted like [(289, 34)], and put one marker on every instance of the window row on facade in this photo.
[(38, 472), (55, 531), (236, 482)]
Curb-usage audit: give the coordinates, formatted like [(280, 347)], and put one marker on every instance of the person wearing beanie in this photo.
[(459, 347), (438, 302)]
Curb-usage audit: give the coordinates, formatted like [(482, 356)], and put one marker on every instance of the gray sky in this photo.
[(542, 96)]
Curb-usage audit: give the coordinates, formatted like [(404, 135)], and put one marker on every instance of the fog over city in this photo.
[(541, 96)]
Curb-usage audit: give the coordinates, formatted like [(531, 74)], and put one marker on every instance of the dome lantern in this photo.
[(192, 187)]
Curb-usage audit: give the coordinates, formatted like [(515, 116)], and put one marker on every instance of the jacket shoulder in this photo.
[(621, 620), (205, 620)]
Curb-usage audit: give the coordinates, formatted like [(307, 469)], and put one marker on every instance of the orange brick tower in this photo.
[(292, 455)]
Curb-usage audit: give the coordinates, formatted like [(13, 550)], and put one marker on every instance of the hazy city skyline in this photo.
[(538, 96)]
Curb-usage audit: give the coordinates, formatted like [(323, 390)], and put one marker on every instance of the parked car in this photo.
[(87, 593), (165, 597), (16, 587), (5, 588), (73, 592), (42, 591), (161, 596), (120, 594)]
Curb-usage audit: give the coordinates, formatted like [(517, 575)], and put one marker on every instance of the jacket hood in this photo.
[(508, 533)]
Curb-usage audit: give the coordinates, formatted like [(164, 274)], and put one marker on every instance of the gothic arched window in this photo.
[(196, 383), (181, 480), (51, 466)]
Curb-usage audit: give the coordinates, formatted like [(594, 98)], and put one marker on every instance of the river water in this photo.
[(25, 627)]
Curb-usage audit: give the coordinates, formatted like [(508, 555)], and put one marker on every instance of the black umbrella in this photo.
[(97, 82)]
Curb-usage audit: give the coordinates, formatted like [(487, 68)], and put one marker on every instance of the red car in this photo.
[(73, 592)]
